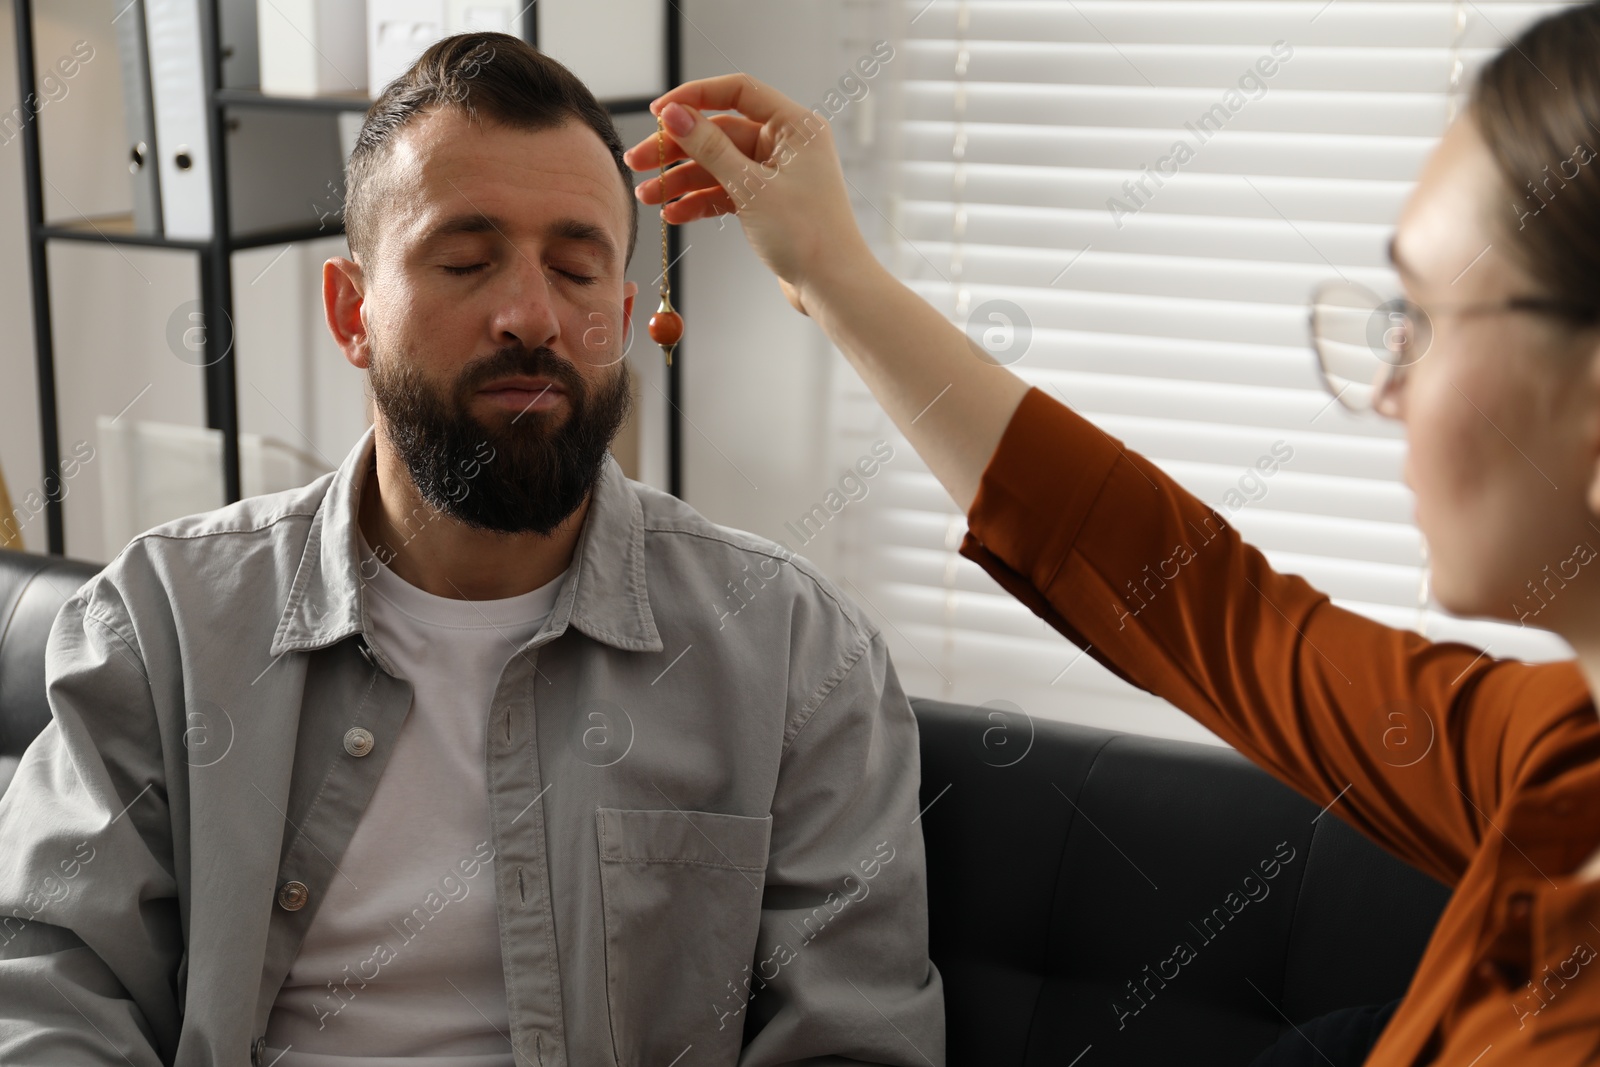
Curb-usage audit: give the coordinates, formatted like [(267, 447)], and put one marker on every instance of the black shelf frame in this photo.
[(214, 255)]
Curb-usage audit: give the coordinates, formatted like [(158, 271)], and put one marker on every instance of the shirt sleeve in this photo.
[(90, 939), (842, 973), (1417, 742)]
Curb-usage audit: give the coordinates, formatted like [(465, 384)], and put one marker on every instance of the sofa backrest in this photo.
[(32, 590), (1159, 901)]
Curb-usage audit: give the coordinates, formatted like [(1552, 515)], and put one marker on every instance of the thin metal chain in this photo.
[(666, 265)]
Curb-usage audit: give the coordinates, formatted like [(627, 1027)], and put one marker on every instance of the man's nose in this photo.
[(527, 309)]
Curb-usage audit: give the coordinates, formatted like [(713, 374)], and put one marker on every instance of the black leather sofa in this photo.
[(1066, 867), (1061, 885), (32, 590)]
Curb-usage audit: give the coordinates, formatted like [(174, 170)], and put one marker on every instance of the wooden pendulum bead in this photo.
[(666, 327)]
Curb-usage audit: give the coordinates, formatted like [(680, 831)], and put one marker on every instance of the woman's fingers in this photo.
[(707, 144), (771, 161), (701, 204), (727, 92), (680, 181), (646, 155)]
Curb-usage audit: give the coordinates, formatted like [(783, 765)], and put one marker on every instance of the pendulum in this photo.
[(666, 325)]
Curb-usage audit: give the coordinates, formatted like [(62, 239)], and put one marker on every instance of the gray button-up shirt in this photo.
[(702, 780)]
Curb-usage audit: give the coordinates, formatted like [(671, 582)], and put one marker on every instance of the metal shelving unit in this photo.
[(215, 254)]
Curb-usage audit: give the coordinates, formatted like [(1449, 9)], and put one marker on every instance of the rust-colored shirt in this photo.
[(1483, 772)]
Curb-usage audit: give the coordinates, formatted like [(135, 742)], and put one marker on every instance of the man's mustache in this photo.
[(511, 361)]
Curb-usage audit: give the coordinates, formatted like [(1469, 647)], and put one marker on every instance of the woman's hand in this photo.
[(771, 161)]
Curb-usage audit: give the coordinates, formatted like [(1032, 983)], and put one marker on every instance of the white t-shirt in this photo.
[(401, 966)]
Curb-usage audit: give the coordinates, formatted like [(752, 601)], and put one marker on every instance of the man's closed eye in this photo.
[(581, 279)]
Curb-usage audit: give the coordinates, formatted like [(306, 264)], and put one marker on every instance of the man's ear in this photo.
[(344, 307), (630, 290)]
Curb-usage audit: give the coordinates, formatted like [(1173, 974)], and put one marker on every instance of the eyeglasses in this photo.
[(1364, 344)]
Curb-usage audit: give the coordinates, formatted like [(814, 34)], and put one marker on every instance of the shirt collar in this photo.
[(604, 595)]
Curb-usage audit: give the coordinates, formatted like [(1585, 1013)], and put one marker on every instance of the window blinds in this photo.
[(1029, 177)]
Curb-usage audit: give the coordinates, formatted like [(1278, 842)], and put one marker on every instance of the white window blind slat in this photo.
[(1158, 315), (1230, 151), (1276, 109), (1167, 269), (1236, 25), (1001, 236), (1206, 195), (1049, 63)]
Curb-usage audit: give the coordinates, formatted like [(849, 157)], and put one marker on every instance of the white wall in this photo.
[(757, 374)]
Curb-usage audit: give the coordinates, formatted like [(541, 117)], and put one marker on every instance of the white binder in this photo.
[(139, 120), (178, 95)]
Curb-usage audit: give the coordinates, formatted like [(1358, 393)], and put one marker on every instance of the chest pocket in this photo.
[(681, 902)]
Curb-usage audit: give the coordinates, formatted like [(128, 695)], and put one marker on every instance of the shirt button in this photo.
[(292, 896), (366, 653), (358, 741), (1489, 972), (258, 1051)]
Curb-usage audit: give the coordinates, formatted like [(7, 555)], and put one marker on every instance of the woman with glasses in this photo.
[(1482, 771)]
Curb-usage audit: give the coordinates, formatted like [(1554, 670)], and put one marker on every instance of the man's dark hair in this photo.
[(486, 75)]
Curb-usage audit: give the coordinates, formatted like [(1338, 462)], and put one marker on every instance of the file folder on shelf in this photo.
[(138, 116), (178, 96), (285, 170)]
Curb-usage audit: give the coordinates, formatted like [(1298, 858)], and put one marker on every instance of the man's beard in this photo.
[(521, 474)]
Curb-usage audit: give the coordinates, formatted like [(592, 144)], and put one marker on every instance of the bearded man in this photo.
[(463, 754)]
